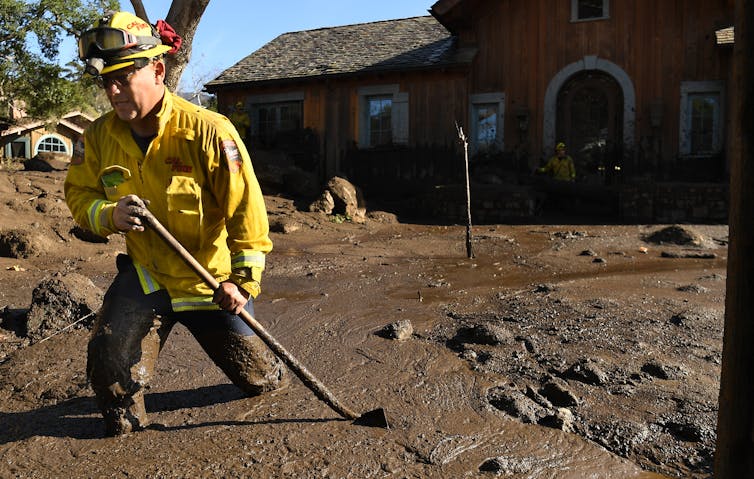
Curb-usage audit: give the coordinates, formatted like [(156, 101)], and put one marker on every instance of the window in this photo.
[(380, 120), (383, 116), (274, 120), (51, 144), (486, 122), (274, 117), (590, 10), (701, 118)]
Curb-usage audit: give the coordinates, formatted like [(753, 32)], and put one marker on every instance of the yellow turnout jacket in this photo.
[(198, 178)]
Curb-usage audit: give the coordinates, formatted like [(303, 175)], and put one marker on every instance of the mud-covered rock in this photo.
[(87, 235), (587, 371), (19, 244), (675, 234), (515, 403), (60, 301), (399, 330)]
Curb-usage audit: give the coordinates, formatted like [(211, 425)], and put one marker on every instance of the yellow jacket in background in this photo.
[(198, 178)]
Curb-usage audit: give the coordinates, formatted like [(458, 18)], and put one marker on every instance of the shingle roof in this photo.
[(409, 43)]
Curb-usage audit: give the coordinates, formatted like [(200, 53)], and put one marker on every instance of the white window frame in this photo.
[(575, 12), (66, 149), (688, 90), (480, 99), (398, 113)]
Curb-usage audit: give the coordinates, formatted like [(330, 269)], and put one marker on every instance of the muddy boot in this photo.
[(125, 415), (120, 362), (246, 360)]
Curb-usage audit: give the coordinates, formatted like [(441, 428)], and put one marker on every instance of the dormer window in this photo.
[(582, 10)]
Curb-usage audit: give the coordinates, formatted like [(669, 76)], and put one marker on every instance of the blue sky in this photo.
[(229, 30)]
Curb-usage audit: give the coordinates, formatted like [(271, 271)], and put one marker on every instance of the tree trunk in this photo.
[(183, 16), (734, 456)]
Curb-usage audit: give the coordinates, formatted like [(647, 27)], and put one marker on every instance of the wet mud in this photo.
[(531, 360)]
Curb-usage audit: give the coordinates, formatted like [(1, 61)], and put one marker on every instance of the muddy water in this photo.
[(323, 300), (436, 405)]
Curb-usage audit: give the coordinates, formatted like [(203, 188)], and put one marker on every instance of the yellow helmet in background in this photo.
[(560, 146), (119, 40)]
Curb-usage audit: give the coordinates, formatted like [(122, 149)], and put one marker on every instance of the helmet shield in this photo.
[(116, 39)]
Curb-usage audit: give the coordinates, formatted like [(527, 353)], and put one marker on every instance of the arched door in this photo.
[(590, 115)]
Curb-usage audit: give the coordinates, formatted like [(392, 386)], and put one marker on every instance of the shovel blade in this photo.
[(374, 418)]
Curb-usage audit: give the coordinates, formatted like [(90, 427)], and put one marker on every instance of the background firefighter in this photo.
[(560, 167), (195, 173)]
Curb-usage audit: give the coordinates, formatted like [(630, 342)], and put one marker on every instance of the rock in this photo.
[(60, 301), (561, 419), (382, 217), (284, 225), (507, 465), (399, 330), (324, 204), (675, 234), (559, 394), (87, 235), (346, 200), (588, 372), (692, 288), (37, 164), (514, 403), (484, 333), (18, 244)]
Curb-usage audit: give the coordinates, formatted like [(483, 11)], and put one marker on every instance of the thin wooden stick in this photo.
[(464, 140)]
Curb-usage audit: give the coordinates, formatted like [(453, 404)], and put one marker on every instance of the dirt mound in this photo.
[(18, 244), (677, 235), (58, 302)]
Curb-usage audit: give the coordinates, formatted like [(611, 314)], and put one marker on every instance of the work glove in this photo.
[(127, 213)]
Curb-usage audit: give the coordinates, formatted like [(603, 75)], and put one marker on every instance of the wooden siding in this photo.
[(521, 47)]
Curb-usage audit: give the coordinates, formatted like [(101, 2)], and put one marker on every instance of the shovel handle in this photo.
[(303, 374)]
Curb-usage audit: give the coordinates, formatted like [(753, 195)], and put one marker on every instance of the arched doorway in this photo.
[(590, 122)]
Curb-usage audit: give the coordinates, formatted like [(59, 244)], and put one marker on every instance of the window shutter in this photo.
[(400, 118)]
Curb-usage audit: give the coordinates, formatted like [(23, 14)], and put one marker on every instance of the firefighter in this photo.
[(241, 120), (560, 167), (193, 171)]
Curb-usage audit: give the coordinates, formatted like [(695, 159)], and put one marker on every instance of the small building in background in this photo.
[(27, 139)]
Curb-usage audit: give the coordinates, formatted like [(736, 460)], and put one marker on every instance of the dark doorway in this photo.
[(590, 113)]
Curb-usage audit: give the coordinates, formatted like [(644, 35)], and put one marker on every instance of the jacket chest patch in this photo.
[(177, 165)]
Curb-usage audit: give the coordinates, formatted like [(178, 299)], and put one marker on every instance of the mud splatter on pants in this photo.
[(129, 333)]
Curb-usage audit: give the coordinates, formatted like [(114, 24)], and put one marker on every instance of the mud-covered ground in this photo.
[(559, 351)]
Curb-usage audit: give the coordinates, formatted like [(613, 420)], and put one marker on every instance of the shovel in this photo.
[(374, 418)]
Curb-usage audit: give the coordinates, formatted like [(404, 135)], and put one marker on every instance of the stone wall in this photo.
[(674, 203), (650, 203)]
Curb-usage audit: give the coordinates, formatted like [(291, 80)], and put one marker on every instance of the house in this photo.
[(26, 139), (637, 90)]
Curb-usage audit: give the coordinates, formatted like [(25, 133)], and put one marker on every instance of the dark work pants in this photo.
[(129, 333)]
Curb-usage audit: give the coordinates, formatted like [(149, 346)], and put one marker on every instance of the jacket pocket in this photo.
[(116, 180), (184, 197)]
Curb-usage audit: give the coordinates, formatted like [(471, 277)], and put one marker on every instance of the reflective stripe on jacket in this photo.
[(198, 178)]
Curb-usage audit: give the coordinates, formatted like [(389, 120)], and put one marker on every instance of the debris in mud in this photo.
[(399, 330), (674, 255), (17, 244), (692, 288), (59, 302), (284, 225), (588, 372), (483, 333), (507, 465), (677, 235), (38, 164), (515, 403), (87, 235)]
